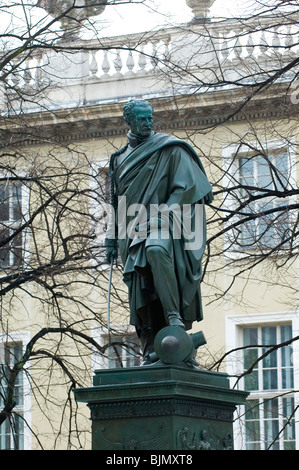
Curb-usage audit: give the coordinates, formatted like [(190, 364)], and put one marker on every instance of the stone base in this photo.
[(161, 407)]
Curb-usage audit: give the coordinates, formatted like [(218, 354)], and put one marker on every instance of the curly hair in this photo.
[(128, 108)]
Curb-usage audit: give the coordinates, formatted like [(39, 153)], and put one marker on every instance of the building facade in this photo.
[(209, 83)]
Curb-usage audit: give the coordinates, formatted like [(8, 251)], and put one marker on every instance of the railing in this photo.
[(190, 48), (113, 57)]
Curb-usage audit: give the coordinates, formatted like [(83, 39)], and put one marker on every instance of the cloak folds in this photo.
[(162, 170)]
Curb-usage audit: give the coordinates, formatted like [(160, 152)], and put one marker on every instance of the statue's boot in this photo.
[(165, 283), (174, 319)]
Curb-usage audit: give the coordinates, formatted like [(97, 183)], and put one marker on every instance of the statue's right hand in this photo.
[(111, 250), (111, 254)]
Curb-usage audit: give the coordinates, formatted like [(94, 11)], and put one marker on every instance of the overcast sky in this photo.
[(128, 18), (133, 18)]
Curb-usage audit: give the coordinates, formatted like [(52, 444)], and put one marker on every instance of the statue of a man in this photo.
[(160, 178)]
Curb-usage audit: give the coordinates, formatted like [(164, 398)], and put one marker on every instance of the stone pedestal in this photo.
[(161, 407)]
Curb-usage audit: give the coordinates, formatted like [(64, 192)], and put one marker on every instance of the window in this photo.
[(12, 430), (270, 409), (270, 424), (123, 352), (269, 173), (257, 182), (10, 220)]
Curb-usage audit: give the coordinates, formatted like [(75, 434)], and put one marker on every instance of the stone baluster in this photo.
[(276, 40), (276, 45), (154, 58), (167, 54), (38, 75), (117, 62), (27, 77), (106, 64), (142, 59), (224, 48), (289, 40), (16, 76), (130, 62), (93, 67), (263, 44), (238, 47), (215, 39), (250, 45)]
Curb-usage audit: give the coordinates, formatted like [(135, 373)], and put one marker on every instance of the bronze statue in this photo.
[(161, 179)]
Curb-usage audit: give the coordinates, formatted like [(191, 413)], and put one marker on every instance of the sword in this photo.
[(109, 295)]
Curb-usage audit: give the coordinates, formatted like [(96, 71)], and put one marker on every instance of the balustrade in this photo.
[(128, 61), (130, 56)]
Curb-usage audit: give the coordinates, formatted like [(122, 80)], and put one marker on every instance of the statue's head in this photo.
[(139, 115)]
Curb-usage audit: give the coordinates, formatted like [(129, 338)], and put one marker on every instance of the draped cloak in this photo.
[(162, 170)]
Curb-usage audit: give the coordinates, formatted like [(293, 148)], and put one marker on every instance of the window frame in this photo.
[(234, 326), (26, 409), (127, 359), (230, 167), (25, 198), (101, 335)]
